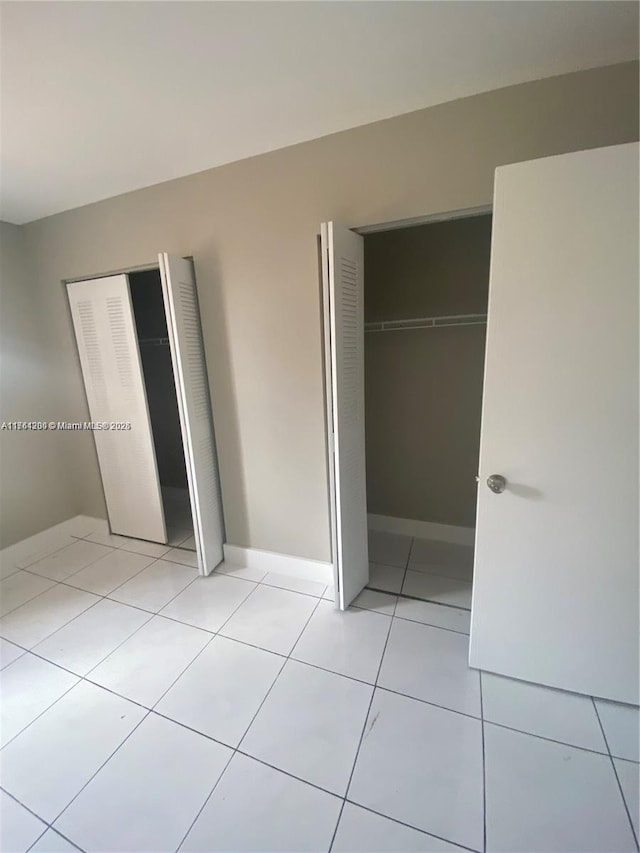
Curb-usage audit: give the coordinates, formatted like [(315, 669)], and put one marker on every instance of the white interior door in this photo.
[(112, 371), (194, 404), (555, 596), (343, 283)]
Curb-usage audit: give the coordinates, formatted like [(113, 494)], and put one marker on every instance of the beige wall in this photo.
[(251, 227), (424, 387), (34, 493)]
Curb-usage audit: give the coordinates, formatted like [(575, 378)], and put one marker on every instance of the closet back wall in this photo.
[(423, 387), (251, 228)]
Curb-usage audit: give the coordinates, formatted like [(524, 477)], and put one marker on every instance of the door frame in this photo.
[(129, 270), (363, 230)]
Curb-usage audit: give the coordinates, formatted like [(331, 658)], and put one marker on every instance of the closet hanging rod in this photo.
[(426, 322), (158, 342)]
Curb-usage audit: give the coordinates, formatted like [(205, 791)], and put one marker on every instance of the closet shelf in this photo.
[(426, 322)]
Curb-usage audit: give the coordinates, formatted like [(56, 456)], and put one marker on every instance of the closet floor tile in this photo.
[(437, 588), (176, 536), (385, 578), (380, 602), (442, 558), (438, 615), (389, 549)]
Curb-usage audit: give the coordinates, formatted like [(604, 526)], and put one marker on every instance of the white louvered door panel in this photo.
[(112, 371), (343, 268), (196, 420)]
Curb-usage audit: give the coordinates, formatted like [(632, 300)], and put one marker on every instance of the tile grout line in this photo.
[(56, 550), (362, 733), (396, 615), (44, 711), (406, 565), (30, 570), (206, 800), (484, 771), (57, 831), (90, 607), (615, 771), (236, 749), (285, 772), (26, 807), (104, 763), (84, 677), (417, 598), (411, 826), (106, 597), (285, 657)]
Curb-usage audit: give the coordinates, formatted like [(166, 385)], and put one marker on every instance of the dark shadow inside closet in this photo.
[(155, 354)]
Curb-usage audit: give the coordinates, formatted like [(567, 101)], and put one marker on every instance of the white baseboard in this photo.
[(284, 564), (423, 529)]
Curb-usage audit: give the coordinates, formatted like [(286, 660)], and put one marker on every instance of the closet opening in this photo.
[(425, 310), (162, 401), (143, 364)]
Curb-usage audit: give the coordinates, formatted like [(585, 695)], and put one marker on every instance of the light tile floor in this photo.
[(147, 709), (421, 568)]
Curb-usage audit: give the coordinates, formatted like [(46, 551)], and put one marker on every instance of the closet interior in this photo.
[(143, 365), (426, 296), (162, 400)]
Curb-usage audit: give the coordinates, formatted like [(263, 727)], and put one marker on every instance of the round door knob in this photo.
[(497, 483)]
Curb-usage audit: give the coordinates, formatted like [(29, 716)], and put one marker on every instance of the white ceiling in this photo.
[(99, 98)]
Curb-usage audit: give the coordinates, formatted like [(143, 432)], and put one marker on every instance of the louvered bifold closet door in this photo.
[(112, 371), (343, 265), (194, 404)]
